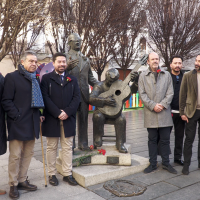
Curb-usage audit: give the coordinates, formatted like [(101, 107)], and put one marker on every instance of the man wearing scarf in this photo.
[(21, 100)]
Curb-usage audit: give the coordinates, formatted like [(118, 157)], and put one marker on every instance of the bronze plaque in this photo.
[(124, 188), (86, 160), (112, 160)]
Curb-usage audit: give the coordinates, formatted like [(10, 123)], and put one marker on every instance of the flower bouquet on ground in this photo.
[(86, 157)]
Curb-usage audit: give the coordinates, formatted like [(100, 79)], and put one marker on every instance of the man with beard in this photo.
[(189, 107), (156, 91), (61, 98), (179, 124)]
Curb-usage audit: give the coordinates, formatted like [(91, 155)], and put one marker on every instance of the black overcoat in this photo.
[(23, 122), (59, 96), (3, 138)]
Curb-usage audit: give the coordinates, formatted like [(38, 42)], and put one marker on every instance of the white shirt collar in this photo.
[(60, 74)]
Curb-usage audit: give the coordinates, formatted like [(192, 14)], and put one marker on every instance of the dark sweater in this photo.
[(176, 85)]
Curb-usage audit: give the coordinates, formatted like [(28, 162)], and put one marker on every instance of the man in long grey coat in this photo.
[(156, 91)]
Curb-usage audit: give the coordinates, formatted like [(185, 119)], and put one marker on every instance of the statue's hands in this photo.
[(134, 76), (110, 101), (72, 63)]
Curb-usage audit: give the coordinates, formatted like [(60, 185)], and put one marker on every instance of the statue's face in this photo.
[(75, 44), (109, 81), (111, 77)]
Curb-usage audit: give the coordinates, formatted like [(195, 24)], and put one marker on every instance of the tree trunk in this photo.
[(99, 77), (124, 74)]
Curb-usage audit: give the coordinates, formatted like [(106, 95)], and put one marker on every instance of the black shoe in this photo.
[(97, 144), (53, 180), (180, 162), (14, 193), (84, 148), (150, 169), (169, 168), (26, 186), (185, 170), (70, 180), (122, 149)]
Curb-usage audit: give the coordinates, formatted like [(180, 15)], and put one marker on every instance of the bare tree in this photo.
[(101, 39), (100, 23), (127, 33), (15, 16), (61, 25), (174, 27), (109, 29), (21, 44)]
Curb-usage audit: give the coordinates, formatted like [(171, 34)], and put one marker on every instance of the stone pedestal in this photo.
[(112, 156), (99, 170), (94, 174)]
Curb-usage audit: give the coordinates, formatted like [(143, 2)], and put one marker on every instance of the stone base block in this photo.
[(112, 156), (94, 174)]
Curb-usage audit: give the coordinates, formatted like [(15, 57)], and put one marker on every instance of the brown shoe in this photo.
[(2, 192), (26, 186), (13, 194)]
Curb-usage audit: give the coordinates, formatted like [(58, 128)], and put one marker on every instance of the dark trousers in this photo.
[(164, 134), (190, 132), (179, 127)]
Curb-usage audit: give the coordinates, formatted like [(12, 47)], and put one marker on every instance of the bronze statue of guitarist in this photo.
[(108, 96), (100, 118)]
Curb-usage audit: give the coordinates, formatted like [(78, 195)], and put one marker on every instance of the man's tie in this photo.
[(61, 78)]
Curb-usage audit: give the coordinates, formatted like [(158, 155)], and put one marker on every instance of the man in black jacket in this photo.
[(3, 139), (21, 100), (61, 98), (179, 124)]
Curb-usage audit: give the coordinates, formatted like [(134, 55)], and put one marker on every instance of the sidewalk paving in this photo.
[(161, 185)]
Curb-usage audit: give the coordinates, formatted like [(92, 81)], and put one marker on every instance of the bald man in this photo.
[(156, 91)]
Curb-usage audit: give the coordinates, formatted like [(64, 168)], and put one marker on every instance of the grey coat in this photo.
[(151, 93)]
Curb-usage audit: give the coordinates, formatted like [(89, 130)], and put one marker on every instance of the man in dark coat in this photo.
[(61, 97), (79, 66), (179, 124), (189, 107), (21, 100), (3, 139)]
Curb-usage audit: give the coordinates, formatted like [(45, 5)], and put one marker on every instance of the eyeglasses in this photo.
[(177, 79)]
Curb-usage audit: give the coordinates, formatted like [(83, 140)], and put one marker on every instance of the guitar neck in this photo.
[(128, 78)]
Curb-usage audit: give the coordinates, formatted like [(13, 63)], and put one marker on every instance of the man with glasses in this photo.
[(189, 107), (21, 101), (179, 124)]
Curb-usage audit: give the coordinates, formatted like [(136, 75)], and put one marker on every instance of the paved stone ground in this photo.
[(160, 184)]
